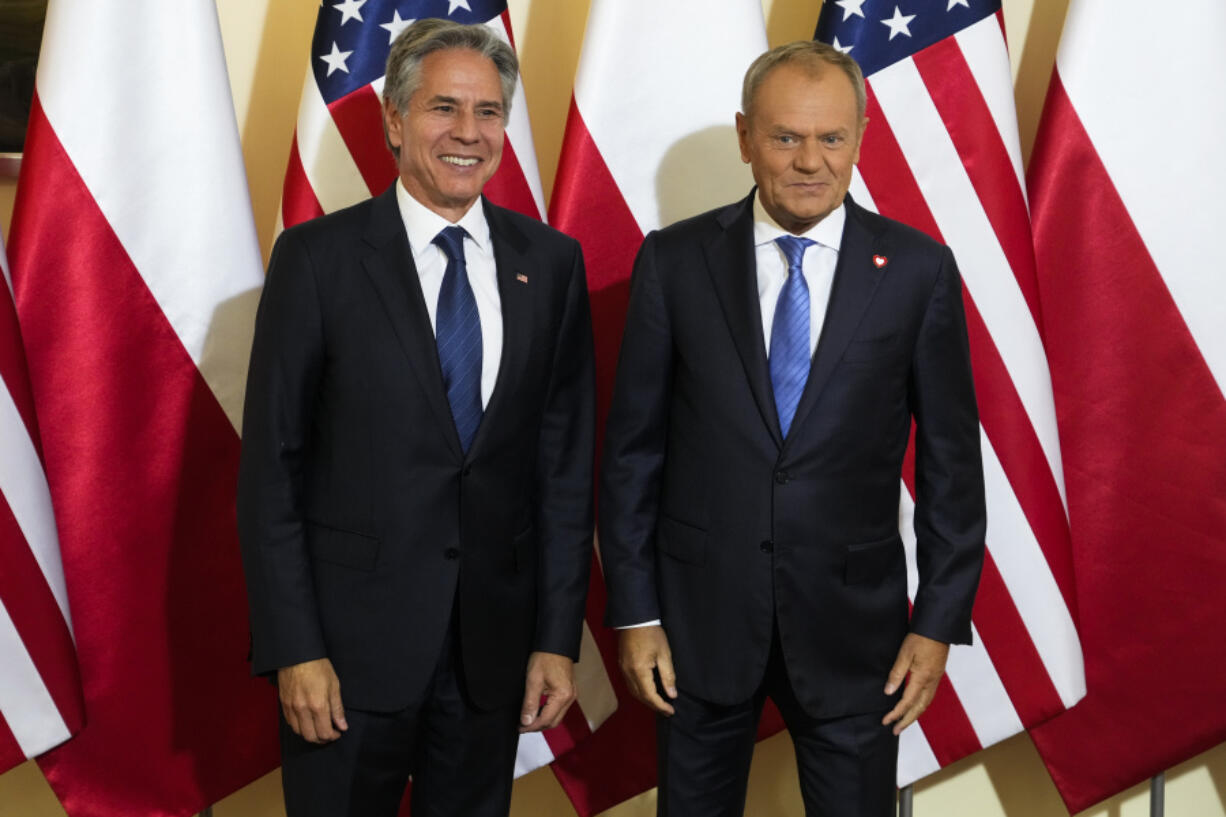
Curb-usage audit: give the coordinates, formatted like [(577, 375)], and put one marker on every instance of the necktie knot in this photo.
[(794, 249), (451, 241)]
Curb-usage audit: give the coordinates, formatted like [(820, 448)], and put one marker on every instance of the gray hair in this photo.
[(811, 54), (424, 37)]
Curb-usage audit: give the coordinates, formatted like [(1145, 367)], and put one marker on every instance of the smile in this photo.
[(459, 161)]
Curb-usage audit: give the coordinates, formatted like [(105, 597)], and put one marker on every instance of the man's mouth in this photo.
[(460, 161)]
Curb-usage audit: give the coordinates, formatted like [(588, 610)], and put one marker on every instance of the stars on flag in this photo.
[(395, 26), (336, 60), (349, 10), (952, 3), (846, 49), (850, 7), (452, 5), (899, 23)]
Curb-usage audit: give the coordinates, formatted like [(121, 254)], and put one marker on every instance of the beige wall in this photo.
[(266, 41)]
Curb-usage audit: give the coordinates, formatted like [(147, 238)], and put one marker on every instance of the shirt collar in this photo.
[(828, 232), (422, 224)]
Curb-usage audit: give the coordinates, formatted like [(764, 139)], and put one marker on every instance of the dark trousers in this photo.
[(847, 765), (462, 759)]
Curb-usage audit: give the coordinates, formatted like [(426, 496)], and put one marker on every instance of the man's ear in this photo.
[(392, 122), (742, 136)]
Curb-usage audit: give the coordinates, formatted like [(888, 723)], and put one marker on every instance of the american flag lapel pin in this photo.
[(519, 276)]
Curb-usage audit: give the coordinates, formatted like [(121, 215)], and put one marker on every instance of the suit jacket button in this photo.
[(782, 477), (451, 553), (767, 546)]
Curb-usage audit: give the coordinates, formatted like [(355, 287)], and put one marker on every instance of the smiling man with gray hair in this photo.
[(415, 489)]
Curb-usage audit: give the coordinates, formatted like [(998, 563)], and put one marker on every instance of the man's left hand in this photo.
[(552, 676), (924, 659)]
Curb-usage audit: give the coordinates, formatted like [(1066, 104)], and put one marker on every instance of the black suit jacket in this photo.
[(714, 523), (360, 518)]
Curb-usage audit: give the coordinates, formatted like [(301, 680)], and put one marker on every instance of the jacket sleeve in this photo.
[(636, 436), (286, 361), (564, 475), (950, 513)]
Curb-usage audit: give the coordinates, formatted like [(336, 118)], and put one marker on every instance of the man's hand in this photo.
[(552, 676), (924, 659), (311, 700), (640, 651)]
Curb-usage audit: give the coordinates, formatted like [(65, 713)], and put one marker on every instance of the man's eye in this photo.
[(489, 113), (785, 139), (444, 108), (832, 141)]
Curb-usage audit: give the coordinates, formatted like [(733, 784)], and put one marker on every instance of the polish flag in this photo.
[(136, 273), (650, 140), (40, 689), (1126, 187)]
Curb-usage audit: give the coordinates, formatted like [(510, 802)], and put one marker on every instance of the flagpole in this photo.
[(905, 795), (1157, 795)]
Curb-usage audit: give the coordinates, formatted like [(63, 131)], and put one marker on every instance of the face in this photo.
[(801, 140), (450, 138)]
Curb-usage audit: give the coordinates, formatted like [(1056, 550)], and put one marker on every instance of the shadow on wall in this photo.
[(699, 172)]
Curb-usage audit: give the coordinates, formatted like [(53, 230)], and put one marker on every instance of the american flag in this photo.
[(40, 687), (942, 153), (339, 158)]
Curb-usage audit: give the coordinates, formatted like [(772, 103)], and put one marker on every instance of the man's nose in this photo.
[(464, 127), (808, 158)]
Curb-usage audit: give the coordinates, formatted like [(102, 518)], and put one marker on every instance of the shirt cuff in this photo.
[(655, 622)]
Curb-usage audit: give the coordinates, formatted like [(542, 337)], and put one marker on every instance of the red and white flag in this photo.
[(339, 158), (136, 273), (1126, 183), (40, 689), (650, 140), (941, 153)]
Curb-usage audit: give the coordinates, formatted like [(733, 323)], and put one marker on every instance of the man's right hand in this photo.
[(311, 700), (640, 651)]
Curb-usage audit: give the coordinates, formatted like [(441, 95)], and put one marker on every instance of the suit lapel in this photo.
[(855, 280), (388, 262), (733, 268), (515, 289)]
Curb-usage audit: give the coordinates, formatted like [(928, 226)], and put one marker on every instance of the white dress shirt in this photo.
[(818, 267), (422, 224)]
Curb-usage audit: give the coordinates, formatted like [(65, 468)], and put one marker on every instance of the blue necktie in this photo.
[(789, 352), (457, 334)]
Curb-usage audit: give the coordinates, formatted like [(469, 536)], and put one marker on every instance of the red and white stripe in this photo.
[(136, 272), (942, 153), (339, 158), (1126, 192), (40, 688), (650, 140)]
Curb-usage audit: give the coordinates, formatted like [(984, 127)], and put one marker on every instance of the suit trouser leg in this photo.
[(462, 759), (847, 764), (703, 756)]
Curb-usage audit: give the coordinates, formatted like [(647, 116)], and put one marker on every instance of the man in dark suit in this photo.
[(415, 488), (776, 353)]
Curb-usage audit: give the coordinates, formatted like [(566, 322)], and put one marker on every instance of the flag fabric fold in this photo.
[(942, 154), (339, 158), (40, 687), (136, 272), (650, 139), (1134, 320)]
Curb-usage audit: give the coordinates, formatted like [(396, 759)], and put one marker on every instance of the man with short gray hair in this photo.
[(415, 492), (776, 353)]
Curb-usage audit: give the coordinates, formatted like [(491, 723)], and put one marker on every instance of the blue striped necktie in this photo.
[(457, 334), (789, 352)]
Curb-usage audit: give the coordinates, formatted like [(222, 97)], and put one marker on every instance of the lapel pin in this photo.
[(880, 261), (519, 276)]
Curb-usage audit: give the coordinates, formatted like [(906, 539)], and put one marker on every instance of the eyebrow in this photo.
[(451, 100)]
